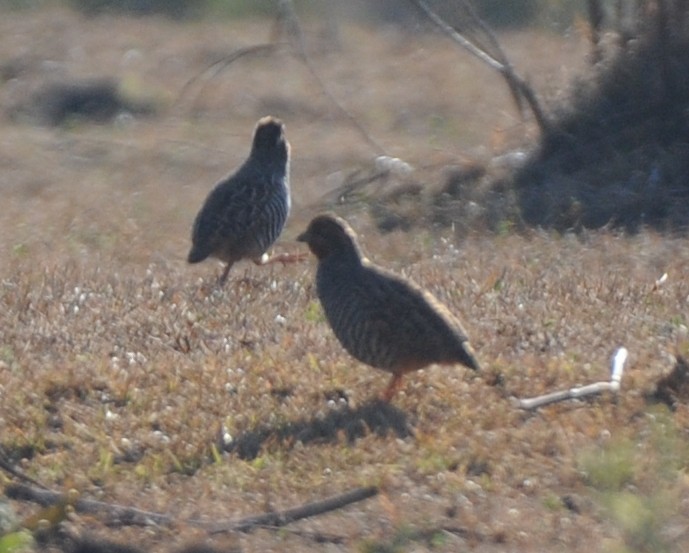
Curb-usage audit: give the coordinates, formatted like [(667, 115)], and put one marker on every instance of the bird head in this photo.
[(269, 137), (329, 235)]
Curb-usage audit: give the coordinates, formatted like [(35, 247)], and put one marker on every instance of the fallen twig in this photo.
[(133, 516), (613, 385), (281, 518), (124, 515), (7, 466)]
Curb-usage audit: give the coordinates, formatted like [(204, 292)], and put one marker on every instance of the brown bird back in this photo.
[(245, 212), (380, 318)]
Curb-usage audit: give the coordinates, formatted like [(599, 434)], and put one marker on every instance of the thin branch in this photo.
[(281, 518), (287, 18), (354, 181), (133, 516), (515, 83), (613, 385), (125, 515), (289, 14), (217, 66), (595, 11), (7, 466), (499, 53), (458, 37)]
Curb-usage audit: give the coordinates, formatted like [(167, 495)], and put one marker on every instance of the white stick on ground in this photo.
[(613, 385)]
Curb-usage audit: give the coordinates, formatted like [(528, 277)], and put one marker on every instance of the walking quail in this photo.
[(246, 211), (380, 318)]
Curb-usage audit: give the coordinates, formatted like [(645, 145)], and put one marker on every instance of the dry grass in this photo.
[(121, 367)]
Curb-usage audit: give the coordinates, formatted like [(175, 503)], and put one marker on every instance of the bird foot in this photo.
[(394, 385), (283, 258)]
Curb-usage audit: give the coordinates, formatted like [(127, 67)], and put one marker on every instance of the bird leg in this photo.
[(223, 277), (393, 387), (283, 258)]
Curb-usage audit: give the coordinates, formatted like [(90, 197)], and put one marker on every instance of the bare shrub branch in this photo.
[(287, 24), (518, 86), (595, 10), (289, 14), (218, 66)]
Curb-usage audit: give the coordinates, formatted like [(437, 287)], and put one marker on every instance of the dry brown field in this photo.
[(124, 372)]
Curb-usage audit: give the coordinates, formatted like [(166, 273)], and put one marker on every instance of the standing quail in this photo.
[(245, 212), (380, 318)]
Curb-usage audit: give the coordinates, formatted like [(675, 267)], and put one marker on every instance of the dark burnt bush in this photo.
[(175, 9), (617, 153)]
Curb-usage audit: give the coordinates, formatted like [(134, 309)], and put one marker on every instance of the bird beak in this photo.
[(303, 237)]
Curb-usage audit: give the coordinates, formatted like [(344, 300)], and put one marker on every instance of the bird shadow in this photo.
[(344, 423)]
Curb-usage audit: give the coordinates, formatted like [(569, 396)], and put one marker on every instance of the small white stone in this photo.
[(164, 438), (472, 486)]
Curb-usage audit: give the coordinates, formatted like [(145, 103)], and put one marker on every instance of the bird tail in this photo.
[(196, 255), (468, 357)]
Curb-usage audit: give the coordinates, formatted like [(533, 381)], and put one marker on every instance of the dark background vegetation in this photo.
[(494, 12)]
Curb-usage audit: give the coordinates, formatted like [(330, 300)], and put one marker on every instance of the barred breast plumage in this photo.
[(245, 213), (380, 318)]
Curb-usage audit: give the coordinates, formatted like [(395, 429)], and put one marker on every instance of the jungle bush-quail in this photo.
[(380, 318), (245, 212)]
